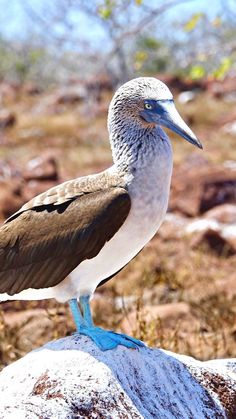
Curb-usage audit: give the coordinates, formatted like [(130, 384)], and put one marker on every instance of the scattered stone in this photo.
[(187, 96), (72, 378), (230, 128), (173, 227), (9, 92), (25, 134), (195, 191), (11, 197), (31, 89), (202, 225), (7, 119), (70, 95), (41, 168), (95, 85), (225, 214), (25, 321), (215, 241), (221, 88), (228, 118)]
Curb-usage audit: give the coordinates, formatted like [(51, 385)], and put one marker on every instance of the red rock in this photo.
[(9, 91), (100, 83), (173, 227), (219, 88), (41, 168), (215, 242), (7, 119), (69, 96), (11, 197), (218, 189), (23, 322), (31, 89), (227, 119), (198, 186)]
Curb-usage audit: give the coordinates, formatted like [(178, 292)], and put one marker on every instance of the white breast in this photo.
[(149, 191)]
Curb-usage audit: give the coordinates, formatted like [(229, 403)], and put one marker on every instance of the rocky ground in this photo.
[(180, 292), (71, 378)]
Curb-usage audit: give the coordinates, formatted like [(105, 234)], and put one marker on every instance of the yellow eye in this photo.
[(147, 106)]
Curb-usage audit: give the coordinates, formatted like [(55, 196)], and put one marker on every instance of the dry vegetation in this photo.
[(171, 295)]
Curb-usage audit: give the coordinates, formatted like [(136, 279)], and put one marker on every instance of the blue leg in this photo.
[(104, 339), (78, 318), (85, 305)]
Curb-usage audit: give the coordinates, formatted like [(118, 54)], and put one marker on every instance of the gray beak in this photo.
[(170, 118)]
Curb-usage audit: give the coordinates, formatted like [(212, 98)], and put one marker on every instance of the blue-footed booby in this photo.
[(70, 239)]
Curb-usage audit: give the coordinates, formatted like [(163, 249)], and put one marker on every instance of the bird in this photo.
[(74, 237)]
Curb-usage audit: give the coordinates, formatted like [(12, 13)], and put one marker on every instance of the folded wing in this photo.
[(43, 243)]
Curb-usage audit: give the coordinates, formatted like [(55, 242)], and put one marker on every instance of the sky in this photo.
[(13, 22)]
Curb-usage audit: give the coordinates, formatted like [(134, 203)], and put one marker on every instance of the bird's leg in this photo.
[(85, 305), (78, 318), (104, 339)]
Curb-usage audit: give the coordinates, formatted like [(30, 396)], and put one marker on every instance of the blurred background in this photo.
[(60, 63)]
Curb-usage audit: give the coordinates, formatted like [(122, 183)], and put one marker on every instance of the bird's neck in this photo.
[(135, 148)]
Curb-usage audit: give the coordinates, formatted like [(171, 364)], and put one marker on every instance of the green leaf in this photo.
[(106, 8), (104, 12), (139, 59), (192, 23), (197, 72), (223, 69)]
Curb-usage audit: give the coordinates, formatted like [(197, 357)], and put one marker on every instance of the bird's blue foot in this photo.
[(106, 339)]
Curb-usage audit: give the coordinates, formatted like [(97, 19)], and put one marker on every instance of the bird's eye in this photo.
[(147, 106)]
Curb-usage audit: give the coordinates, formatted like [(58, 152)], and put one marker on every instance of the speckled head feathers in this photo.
[(138, 108), (129, 99), (144, 88)]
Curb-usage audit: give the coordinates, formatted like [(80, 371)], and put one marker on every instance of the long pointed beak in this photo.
[(170, 118)]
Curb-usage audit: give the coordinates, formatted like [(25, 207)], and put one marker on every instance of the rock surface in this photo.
[(205, 186), (72, 378)]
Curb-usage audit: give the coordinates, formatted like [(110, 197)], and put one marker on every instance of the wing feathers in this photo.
[(41, 246)]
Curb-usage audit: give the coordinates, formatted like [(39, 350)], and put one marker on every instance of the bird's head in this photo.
[(147, 102)]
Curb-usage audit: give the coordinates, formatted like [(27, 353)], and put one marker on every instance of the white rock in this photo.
[(72, 378), (230, 128), (187, 96), (202, 225)]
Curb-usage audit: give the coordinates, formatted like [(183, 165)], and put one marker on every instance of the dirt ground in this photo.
[(179, 293)]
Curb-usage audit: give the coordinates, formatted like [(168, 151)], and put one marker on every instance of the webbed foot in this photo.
[(106, 339)]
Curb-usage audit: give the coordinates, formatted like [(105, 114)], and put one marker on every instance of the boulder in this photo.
[(225, 214), (70, 95), (221, 88), (7, 119), (215, 241), (41, 168), (72, 378), (11, 197), (198, 186)]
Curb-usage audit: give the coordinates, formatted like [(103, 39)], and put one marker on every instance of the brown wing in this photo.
[(40, 246)]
